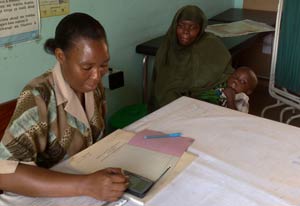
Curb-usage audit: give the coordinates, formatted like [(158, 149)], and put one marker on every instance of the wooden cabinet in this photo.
[(266, 5)]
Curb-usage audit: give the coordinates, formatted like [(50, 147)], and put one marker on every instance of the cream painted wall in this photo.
[(127, 22)]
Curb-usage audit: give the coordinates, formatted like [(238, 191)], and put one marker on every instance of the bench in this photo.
[(6, 111)]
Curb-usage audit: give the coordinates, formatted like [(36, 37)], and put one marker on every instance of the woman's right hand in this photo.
[(107, 184)]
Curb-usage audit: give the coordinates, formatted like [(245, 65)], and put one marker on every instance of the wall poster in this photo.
[(54, 7), (19, 21)]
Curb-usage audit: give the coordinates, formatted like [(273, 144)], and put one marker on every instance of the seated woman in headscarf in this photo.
[(189, 60)]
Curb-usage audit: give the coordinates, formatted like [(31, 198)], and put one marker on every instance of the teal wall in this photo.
[(127, 23), (238, 3)]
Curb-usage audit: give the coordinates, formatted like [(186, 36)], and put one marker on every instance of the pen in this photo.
[(171, 135)]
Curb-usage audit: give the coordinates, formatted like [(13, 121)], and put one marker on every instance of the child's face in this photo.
[(240, 81)]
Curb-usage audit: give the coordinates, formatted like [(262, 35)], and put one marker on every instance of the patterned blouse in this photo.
[(50, 124)]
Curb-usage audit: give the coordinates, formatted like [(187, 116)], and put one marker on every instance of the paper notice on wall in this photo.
[(54, 7), (19, 21)]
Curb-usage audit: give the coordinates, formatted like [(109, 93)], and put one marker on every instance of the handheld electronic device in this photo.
[(139, 185)]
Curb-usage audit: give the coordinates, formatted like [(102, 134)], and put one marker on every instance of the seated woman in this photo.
[(189, 60), (59, 114)]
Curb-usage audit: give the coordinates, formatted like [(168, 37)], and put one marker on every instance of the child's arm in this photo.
[(230, 95)]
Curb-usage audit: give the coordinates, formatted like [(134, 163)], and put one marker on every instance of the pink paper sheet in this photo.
[(172, 146)]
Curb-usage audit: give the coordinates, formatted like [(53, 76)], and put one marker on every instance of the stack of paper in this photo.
[(238, 28), (115, 151)]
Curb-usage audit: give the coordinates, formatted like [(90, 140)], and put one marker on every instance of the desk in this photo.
[(233, 44), (234, 14), (243, 160)]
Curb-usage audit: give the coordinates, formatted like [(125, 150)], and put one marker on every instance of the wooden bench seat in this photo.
[(6, 111)]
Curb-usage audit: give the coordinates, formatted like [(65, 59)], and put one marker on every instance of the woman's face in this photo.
[(84, 63), (187, 31)]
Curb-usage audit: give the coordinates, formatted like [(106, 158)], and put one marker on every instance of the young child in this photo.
[(234, 92)]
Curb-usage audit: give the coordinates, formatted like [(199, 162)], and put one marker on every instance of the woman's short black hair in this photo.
[(72, 27)]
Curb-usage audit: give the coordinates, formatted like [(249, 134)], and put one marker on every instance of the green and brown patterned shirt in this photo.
[(50, 124)]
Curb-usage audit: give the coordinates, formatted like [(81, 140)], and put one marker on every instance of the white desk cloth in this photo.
[(243, 160)]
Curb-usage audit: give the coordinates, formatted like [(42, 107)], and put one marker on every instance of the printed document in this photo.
[(238, 28)]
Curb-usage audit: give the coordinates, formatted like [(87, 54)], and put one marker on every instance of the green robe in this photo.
[(214, 95), (188, 70)]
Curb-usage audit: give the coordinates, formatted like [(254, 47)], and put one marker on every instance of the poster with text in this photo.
[(54, 7), (19, 21)]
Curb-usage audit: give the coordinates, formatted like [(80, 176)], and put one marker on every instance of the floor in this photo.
[(261, 98)]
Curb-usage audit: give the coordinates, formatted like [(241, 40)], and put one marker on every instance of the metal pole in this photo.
[(145, 79)]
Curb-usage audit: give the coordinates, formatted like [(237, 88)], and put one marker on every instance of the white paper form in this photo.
[(113, 151), (117, 152), (148, 163), (19, 200), (267, 160), (201, 185), (111, 142), (238, 28)]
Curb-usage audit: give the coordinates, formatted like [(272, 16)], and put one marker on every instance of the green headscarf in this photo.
[(188, 70)]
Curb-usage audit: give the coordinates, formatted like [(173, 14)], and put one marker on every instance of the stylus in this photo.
[(162, 174), (171, 135)]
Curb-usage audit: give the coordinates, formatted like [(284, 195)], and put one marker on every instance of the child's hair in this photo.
[(252, 75)]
